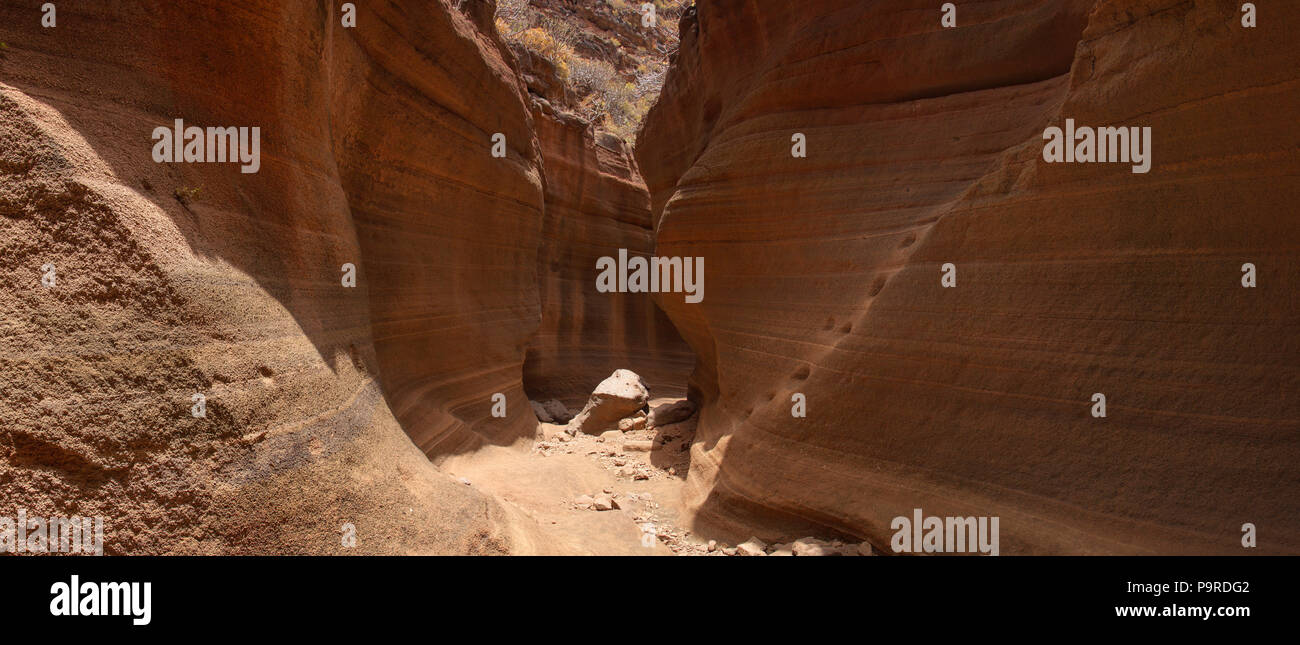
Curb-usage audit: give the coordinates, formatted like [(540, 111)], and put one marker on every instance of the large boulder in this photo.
[(618, 396)]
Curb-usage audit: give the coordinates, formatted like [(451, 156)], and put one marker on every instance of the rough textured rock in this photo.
[(596, 204), (598, 59), (541, 413), (670, 413), (752, 546), (924, 148), (812, 547), (182, 278), (557, 411), (637, 445), (618, 396)]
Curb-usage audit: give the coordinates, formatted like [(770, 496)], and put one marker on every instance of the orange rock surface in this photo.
[(596, 204), (475, 275), (924, 147), (184, 278)]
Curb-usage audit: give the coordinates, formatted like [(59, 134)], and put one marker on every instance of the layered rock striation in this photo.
[(924, 149), (595, 205), (184, 279)]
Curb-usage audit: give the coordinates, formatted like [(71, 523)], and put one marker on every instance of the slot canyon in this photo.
[(940, 301)]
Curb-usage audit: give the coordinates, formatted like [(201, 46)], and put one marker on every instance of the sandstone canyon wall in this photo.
[(595, 204), (924, 147), (176, 279), (325, 403)]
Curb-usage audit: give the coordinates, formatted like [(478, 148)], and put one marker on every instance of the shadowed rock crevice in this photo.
[(595, 205)]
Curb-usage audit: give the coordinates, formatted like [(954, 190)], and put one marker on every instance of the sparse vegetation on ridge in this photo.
[(613, 65)]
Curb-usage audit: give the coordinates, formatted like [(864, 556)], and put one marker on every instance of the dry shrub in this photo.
[(587, 76), (542, 43), (606, 97)]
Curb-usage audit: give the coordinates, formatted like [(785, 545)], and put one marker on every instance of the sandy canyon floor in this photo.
[(558, 483), (545, 485)]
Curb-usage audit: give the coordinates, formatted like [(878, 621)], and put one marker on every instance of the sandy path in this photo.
[(538, 482)]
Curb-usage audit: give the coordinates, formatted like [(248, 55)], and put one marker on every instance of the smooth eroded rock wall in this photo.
[(596, 204), (182, 278), (924, 147)]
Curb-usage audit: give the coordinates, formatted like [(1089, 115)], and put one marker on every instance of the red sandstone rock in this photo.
[(475, 273), (595, 204), (374, 151), (924, 148)]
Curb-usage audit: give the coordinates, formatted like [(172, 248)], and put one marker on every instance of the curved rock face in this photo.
[(924, 148), (450, 233), (175, 279), (596, 204)]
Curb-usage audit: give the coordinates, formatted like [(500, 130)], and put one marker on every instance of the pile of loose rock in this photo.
[(617, 429), (603, 501), (619, 403), (617, 399), (808, 546)]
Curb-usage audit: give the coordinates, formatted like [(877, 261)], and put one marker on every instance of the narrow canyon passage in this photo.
[(398, 325)]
